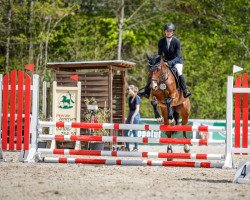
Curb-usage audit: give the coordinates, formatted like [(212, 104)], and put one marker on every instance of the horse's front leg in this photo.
[(156, 111), (170, 110)]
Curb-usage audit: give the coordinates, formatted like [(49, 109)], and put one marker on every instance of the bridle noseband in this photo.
[(163, 76)]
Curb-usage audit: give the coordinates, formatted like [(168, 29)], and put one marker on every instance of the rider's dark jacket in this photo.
[(173, 54)]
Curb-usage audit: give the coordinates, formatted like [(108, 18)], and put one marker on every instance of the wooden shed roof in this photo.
[(102, 64)]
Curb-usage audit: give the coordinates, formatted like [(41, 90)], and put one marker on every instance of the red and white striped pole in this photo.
[(133, 162), (132, 154), (146, 127), (146, 140)]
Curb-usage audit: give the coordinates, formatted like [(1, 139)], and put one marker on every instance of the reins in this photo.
[(163, 75)]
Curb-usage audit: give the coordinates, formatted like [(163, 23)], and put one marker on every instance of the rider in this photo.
[(169, 48)]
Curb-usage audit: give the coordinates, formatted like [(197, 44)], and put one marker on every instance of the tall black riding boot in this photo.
[(186, 92), (146, 92)]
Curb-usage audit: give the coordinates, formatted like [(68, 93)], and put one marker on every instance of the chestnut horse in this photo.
[(168, 97)]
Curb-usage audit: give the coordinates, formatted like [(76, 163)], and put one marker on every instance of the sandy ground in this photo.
[(70, 181)]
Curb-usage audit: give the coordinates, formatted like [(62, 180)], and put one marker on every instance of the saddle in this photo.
[(176, 76)]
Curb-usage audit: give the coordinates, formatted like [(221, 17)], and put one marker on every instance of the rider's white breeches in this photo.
[(179, 68)]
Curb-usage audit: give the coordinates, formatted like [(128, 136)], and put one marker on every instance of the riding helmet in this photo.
[(168, 26)]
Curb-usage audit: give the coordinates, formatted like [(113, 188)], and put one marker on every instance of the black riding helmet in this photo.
[(169, 26)]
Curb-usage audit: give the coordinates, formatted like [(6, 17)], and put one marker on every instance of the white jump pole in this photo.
[(229, 124), (34, 120)]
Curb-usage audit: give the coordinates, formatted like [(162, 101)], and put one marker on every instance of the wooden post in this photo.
[(111, 93), (123, 74)]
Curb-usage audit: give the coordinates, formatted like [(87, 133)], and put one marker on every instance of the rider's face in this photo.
[(169, 33)]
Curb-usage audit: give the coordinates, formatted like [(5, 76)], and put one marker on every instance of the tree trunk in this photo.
[(47, 43), (39, 68), (7, 56), (120, 31), (40, 55), (31, 47)]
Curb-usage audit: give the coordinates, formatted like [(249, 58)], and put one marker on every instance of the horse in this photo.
[(168, 97)]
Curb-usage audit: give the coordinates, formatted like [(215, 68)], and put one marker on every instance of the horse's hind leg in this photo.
[(168, 133), (185, 116), (186, 146), (169, 147)]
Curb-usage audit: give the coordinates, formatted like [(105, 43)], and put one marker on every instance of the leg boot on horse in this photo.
[(156, 111), (169, 150), (170, 111)]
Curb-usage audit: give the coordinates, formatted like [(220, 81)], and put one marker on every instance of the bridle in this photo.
[(163, 76), (160, 82)]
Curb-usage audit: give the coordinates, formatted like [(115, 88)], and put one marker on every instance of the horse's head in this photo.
[(154, 62), (155, 69)]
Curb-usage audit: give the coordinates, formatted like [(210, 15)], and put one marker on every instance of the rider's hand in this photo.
[(170, 63)]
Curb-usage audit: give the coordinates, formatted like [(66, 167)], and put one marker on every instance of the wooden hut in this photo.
[(103, 80)]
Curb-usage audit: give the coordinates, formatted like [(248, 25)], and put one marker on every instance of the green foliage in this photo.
[(101, 115)]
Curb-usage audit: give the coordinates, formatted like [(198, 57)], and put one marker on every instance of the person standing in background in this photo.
[(134, 113)]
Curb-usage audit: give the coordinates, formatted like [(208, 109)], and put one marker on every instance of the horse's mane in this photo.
[(154, 61)]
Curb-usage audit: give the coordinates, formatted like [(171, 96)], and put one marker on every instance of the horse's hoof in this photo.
[(159, 120), (186, 148), (169, 149), (171, 122)]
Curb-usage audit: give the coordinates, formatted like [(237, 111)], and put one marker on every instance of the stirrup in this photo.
[(142, 93)]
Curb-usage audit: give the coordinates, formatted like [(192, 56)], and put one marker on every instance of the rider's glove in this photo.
[(170, 63)]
